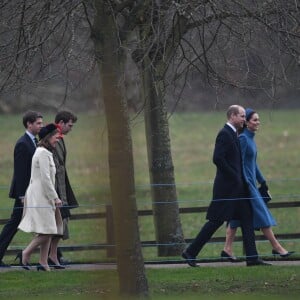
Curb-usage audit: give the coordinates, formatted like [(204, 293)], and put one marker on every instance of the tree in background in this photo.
[(225, 46), (250, 46), (46, 53), (110, 58)]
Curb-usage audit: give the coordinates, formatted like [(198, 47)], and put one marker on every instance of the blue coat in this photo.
[(261, 214), (229, 184)]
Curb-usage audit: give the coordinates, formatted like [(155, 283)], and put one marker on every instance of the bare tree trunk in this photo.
[(130, 261), (169, 235)]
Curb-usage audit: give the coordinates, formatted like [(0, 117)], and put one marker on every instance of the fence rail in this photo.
[(110, 242)]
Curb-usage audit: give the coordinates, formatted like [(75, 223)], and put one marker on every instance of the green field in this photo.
[(192, 140), (204, 283)]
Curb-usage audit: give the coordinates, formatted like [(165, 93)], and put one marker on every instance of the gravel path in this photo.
[(102, 266)]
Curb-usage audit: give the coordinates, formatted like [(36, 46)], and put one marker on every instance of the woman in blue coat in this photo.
[(262, 218)]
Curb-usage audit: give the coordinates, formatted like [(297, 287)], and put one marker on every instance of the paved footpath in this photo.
[(107, 266)]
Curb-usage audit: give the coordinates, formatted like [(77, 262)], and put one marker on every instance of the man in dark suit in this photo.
[(23, 152), (230, 193)]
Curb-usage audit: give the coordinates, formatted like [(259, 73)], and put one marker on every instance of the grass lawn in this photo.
[(192, 140), (190, 283)]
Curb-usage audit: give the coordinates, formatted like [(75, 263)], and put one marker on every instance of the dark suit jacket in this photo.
[(229, 183), (23, 152)]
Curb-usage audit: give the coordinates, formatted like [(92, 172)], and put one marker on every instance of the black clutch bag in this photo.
[(265, 194)]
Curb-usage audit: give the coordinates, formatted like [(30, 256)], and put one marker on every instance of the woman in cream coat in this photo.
[(41, 214)]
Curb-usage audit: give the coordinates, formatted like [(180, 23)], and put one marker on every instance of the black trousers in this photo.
[(11, 227), (243, 212)]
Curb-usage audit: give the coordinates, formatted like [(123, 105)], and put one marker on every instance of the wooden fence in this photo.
[(110, 249)]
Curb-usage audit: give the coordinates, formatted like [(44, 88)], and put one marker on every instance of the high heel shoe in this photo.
[(40, 267), (275, 252), (226, 256), (20, 257), (54, 265)]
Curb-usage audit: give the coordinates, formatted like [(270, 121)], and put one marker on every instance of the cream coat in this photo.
[(40, 214)]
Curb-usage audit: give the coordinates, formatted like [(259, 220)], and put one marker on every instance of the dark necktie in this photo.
[(35, 141)]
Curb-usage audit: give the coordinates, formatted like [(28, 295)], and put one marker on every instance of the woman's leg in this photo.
[(44, 250), (53, 249), (230, 235), (268, 233), (40, 240)]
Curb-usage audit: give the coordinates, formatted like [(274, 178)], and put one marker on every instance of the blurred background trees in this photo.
[(246, 51), (46, 56)]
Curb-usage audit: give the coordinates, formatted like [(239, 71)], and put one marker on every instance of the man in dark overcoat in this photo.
[(230, 193), (65, 120), (23, 152)]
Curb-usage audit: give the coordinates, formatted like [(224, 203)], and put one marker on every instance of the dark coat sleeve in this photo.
[(23, 153), (224, 154), (229, 183)]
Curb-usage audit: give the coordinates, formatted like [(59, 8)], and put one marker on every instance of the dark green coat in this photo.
[(62, 182)]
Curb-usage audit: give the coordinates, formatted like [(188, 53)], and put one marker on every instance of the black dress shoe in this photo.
[(191, 260), (52, 264), (226, 256), (257, 262), (274, 252), (3, 265)]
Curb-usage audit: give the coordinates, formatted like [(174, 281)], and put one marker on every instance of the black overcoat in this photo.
[(229, 184), (23, 152)]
